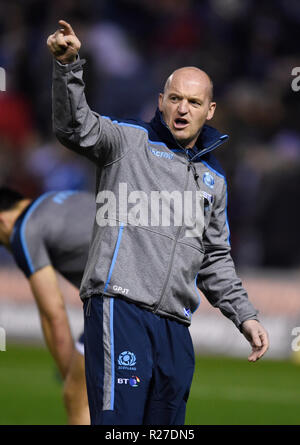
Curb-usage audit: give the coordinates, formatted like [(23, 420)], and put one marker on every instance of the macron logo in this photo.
[(187, 312), (161, 154)]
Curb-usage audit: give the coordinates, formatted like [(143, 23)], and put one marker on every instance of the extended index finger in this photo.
[(67, 27)]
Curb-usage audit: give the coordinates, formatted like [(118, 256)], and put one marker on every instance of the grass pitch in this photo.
[(225, 391)]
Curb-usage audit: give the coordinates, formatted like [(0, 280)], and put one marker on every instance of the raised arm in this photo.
[(64, 44), (76, 126)]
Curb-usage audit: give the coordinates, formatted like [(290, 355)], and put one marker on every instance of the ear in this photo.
[(160, 101), (211, 110)]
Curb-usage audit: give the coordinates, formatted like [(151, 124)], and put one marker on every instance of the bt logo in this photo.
[(133, 381)]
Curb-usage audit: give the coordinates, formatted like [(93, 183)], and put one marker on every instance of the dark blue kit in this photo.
[(142, 364)]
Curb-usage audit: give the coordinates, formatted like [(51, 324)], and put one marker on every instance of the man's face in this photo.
[(186, 105)]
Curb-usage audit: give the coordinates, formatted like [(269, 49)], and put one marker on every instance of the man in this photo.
[(52, 233), (139, 298)]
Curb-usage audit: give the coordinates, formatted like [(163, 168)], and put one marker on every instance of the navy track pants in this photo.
[(139, 366)]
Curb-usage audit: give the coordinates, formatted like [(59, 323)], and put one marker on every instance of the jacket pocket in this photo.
[(140, 264), (182, 296)]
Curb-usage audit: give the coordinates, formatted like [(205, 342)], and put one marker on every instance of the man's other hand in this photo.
[(63, 44), (257, 337)]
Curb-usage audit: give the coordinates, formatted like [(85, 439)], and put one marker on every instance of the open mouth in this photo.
[(180, 123)]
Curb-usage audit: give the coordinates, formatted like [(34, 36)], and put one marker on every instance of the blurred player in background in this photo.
[(52, 233)]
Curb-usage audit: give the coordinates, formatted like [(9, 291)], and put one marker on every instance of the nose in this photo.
[(183, 106)]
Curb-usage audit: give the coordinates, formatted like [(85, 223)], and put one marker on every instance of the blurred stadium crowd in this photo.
[(248, 47)]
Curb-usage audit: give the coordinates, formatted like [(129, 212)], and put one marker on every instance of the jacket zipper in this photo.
[(191, 165), (173, 251)]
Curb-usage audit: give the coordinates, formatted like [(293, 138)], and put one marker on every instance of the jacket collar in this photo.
[(208, 140)]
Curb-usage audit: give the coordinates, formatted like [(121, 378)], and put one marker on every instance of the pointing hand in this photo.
[(63, 44)]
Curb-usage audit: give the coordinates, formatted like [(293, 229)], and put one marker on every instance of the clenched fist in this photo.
[(63, 44)]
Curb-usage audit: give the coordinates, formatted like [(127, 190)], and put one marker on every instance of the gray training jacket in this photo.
[(161, 228)]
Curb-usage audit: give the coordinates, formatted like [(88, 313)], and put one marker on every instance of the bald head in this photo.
[(186, 104), (192, 74)]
